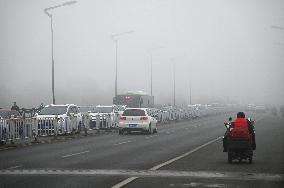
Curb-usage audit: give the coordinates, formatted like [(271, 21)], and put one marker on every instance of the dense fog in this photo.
[(224, 50)]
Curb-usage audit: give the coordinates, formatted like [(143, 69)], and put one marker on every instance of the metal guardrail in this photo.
[(14, 129)]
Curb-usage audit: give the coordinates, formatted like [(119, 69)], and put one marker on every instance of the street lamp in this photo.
[(114, 38), (174, 73), (190, 87), (151, 65), (51, 24)]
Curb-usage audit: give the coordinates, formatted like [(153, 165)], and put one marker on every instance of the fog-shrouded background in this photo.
[(227, 50)]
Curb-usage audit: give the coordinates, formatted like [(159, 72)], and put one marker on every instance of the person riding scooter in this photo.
[(240, 122)]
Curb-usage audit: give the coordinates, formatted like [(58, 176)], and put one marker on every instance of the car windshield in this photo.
[(53, 110), (134, 112), (103, 109)]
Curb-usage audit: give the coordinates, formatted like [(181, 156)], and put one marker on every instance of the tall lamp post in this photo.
[(115, 39), (174, 73), (190, 87), (151, 65), (52, 51)]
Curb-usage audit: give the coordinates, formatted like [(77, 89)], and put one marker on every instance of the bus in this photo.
[(134, 99)]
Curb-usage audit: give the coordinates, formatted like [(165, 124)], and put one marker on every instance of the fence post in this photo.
[(56, 127), (12, 129), (108, 121), (35, 129), (86, 120), (98, 121)]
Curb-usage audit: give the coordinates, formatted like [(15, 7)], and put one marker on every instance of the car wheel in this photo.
[(155, 131), (250, 159), (120, 132)]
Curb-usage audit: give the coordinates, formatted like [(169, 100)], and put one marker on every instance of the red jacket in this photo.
[(241, 123), (240, 129)]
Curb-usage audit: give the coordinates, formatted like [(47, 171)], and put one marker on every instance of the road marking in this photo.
[(4, 149), (120, 143), (242, 176), (184, 155), (128, 180), (194, 184), (147, 137), (14, 167), (124, 182), (70, 155)]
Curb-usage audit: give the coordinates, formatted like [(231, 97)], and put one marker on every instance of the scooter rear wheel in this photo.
[(250, 159)]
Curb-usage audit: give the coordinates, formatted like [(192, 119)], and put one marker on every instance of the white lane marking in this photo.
[(73, 154), (193, 184), (14, 167), (4, 149), (242, 176), (124, 182), (128, 180), (122, 142), (184, 155), (147, 137)]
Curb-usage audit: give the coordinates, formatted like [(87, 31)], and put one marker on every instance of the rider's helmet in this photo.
[(241, 115)]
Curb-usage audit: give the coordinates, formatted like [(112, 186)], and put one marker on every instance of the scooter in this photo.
[(238, 148)]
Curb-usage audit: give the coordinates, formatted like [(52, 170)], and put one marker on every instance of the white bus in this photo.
[(136, 99)]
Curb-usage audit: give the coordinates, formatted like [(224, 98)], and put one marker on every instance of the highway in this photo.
[(182, 154)]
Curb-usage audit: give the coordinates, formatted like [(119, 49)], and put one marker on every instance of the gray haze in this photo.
[(227, 50)]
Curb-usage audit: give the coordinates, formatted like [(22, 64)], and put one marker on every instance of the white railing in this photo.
[(14, 129)]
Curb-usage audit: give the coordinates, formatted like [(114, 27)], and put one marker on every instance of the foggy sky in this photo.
[(226, 50)]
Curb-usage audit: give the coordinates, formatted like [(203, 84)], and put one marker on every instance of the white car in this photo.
[(103, 111), (137, 119), (62, 112)]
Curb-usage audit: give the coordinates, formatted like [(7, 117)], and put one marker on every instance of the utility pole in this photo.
[(174, 83), (115, 39), (151, 66), (52, 48)]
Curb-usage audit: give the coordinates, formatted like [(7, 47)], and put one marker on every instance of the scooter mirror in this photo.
[(227, 125)]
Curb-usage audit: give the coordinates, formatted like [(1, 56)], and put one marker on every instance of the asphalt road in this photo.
[(108, 159)]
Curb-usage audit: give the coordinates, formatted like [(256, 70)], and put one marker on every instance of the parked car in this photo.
[(137, 119), (64, 113), (7, 114), (103, 111)]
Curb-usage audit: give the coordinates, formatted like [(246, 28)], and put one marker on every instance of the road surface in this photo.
[(182, 154)]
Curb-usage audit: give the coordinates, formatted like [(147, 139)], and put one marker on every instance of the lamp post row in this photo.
[(114, 38)]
